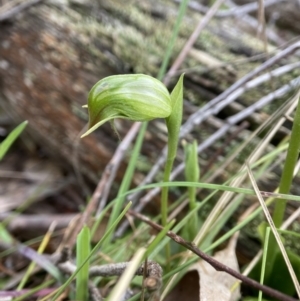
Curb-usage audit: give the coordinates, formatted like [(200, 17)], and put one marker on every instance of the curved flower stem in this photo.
[(173, 124)]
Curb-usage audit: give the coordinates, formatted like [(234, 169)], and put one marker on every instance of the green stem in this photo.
[(164, 204), (165, 191), (173, 123)]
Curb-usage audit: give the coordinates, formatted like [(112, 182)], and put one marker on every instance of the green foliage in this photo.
[(93, 251), (264, 259), (83, 251), (279, 277), (192, 174), (276, 272), (5, 235), (126, 179), (10, 139), (173, 124), (4, 147), (288, 169), (142, 98)]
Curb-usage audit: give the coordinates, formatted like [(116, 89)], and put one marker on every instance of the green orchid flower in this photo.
[(139, 97), (136, 97)]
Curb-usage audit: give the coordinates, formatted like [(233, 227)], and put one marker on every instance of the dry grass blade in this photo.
[(126, 277)]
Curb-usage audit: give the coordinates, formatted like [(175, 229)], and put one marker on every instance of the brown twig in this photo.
[(104, 185), (214, 263), (152, 272)]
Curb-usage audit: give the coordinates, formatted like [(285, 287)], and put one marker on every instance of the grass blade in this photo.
[(264, 260), (83, 251), (10, 139)]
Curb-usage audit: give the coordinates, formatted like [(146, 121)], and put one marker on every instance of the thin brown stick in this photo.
[(104, 184), (214, 263), (151, 271)]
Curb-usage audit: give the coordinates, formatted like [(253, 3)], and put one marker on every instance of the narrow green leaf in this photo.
[(191, 171), (192, 174), (285, 183), (175, 119), (82, 260), (5, 235), (10, 139), (264, 260), (211, 187)]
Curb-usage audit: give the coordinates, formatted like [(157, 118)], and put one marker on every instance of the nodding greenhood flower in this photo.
[(136, 97)]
